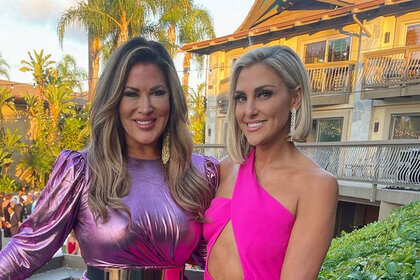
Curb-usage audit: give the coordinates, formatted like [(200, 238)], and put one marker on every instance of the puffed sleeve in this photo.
[(44, 232), (211, 172)]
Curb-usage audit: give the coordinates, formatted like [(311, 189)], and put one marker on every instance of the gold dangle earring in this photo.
[(292, 123), (165, 149)]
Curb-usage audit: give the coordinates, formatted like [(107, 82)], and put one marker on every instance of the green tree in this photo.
[(185, 22), (9, 144), (4, 68), (41, 68), (108, 22), (70, 74), (35, 165), (59, 102), (197, 109), (73, 131)]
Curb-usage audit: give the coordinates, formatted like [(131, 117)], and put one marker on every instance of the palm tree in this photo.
[(4, 68), (107, 21), (41, 67), (59, 101), (185, 22), (69, 74)]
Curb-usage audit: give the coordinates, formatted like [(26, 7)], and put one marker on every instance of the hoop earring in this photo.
[(292, 123), (165, 149)]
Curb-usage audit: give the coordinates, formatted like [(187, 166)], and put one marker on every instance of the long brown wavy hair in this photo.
[(109, 178)]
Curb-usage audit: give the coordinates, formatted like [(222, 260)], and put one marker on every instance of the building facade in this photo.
[(363, 61), (362, 58)]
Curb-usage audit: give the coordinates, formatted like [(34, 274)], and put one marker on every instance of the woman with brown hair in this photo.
[(137, 195)]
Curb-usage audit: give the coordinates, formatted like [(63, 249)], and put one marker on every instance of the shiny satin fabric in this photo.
[(162, 233)]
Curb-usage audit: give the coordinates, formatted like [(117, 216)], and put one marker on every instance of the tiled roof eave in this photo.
[(200, 47)]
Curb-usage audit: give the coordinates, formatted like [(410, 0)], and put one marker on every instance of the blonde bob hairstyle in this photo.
[(291, 70), (109, 179)]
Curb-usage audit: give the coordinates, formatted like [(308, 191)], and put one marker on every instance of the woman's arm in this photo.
[(44, 232), (313, 229)]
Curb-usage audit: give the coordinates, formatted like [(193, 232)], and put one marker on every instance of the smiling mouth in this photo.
[(144, 122), (252, 125)]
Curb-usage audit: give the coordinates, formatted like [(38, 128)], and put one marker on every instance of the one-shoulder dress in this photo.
[(261, 225)]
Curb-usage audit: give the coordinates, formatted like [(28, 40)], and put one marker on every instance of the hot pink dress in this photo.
[(261, 225)]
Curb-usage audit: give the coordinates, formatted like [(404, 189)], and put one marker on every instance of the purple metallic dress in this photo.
[(163, 234)]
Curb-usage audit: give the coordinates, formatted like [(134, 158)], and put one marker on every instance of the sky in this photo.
[(28, 25)]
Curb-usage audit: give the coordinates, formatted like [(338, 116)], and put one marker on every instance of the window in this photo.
[(338, 50), (413, 35), (405, 126), (315, 52), (327, 130)]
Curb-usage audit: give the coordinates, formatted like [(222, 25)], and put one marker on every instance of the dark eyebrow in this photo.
[(152, 89), (158, 87), (263, 86), (256, 89), (132, 88)]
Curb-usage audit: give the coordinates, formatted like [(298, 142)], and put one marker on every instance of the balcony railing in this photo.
[(388, 68), (331, 77), (391, 163)]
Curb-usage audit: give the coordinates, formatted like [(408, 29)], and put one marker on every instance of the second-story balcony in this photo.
[(331, 82), (391, 73)]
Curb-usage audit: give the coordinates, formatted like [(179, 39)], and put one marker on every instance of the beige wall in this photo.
[(382, 113), (221, 62)]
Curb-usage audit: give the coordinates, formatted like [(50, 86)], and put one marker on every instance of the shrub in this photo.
[(387, 249)]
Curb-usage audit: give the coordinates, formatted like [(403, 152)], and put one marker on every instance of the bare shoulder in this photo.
[(228, 174), (226, 163), (319, 184)]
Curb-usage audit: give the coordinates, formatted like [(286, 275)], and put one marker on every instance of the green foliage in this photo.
[(72, 133), (54, 127), (35, 165), (387, 249), (9, 144), (197, 116), (8, 185)]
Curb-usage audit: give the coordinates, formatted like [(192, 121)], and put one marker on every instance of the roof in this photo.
[(270, 17)]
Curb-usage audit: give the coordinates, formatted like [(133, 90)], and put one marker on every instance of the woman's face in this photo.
[(144, 109), (263, 105)]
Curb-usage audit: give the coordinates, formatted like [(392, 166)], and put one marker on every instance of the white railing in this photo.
[(391, 163), (398, 66), (330, 78)]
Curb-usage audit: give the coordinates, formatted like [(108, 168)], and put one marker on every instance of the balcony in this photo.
[(391, 73), (331, 82), (372, 170)]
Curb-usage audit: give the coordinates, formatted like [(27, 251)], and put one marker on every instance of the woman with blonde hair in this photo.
[(136, 196), (274, 211)]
